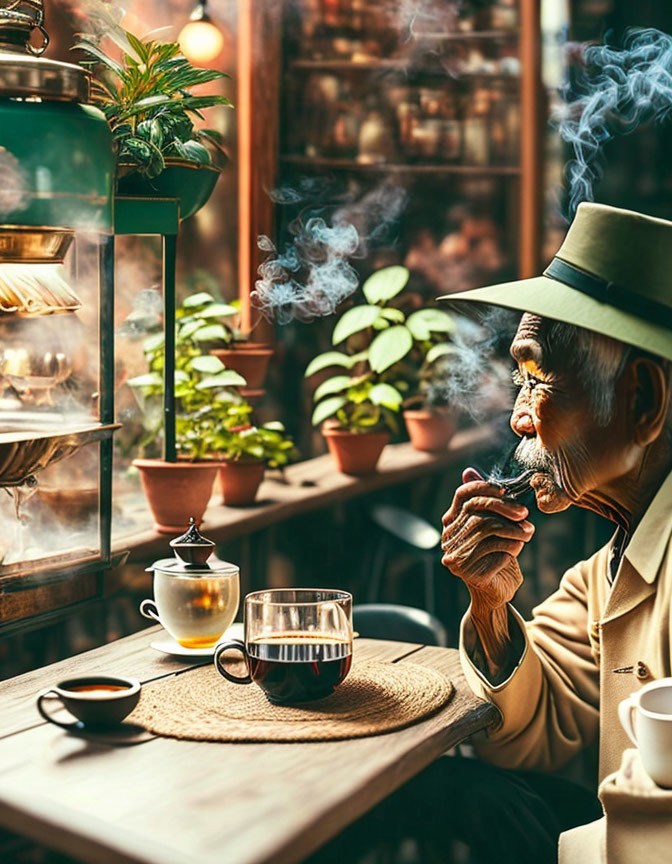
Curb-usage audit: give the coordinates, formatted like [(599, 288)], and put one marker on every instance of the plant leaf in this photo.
[(329, 358), (99, 54), (217, 310), (153, 342), (327, 409), (211, 333), (353, 321), (385, 284), (207, 363), (424, 322), (439, 350), (389, 347), (395, 315), (337, 384), (198, 299), (189, 328), (226, 378), (387, 396), (150, 379)]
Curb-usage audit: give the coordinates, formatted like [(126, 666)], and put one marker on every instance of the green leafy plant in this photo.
[(203, 319), (383, 349), (204, 392), (206, 319), (147, 100), (360, 404), (241, 441)]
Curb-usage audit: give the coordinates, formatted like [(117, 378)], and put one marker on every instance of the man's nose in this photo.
[(521, 423)]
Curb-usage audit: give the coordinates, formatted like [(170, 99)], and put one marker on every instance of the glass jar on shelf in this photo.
[(451, 138), (476, 128), (376, 143)]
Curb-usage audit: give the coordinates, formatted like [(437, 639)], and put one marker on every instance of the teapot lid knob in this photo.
[(192, 547)]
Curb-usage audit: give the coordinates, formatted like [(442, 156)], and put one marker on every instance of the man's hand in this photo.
[(483, 534)]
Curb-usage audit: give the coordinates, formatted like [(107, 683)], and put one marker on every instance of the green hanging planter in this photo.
[(192, 184)]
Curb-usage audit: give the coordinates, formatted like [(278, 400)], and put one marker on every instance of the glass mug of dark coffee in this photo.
[(297, 643)]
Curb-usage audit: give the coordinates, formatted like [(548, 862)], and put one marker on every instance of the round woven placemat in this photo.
[(375, 697)]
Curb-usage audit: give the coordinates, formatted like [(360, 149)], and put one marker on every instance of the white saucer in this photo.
[(168, 645)]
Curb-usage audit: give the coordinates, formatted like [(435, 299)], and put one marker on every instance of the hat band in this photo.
[(609, 292)]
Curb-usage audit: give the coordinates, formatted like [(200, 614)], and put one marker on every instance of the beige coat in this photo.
[(588, 646)]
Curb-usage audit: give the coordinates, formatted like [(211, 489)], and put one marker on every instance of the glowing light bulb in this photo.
[(200, 41)]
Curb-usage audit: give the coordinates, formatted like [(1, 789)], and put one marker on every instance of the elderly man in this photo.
[(594, 416)]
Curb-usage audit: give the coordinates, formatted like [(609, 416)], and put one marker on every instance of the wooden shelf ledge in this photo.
[(307, 486), (396, 168)]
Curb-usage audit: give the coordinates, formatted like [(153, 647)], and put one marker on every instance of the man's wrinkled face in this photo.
[(552, 414)]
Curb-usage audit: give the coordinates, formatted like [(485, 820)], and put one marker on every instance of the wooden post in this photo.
[(257, 106), (531, 140)]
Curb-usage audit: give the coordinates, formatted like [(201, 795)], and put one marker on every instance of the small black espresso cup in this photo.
[(298, 643), (97, 701)]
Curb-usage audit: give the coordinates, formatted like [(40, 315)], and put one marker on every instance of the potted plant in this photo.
[(246, 450), (203, 392), (147, 100), (356, 416), (383, 346), (430, 422), (229, 343)]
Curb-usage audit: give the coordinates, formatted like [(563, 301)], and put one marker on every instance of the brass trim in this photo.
[(184, 163), (24, 75), (55, 196), (28, 245)]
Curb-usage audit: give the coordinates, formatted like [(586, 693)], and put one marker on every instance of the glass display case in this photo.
[(56, 305)]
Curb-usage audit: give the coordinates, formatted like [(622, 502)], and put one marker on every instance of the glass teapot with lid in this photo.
[(196, 595)]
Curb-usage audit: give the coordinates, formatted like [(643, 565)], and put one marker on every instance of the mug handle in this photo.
[(625, 710), (52, 694), (220, 649), (148, 610)]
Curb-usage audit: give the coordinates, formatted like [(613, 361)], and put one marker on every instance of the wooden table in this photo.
[(182, 802)]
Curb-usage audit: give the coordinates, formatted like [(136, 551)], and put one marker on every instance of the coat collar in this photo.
[(648, 544), (643, 556)]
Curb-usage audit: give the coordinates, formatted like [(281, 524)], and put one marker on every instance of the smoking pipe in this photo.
[(514, 487)]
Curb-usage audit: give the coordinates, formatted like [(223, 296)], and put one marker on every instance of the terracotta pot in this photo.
[(252, 396), (250, 360), (176, 490), (355, 453), (240, 482), (430, 429)]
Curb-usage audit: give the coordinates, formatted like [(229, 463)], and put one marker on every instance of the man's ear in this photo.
[(650, 398)]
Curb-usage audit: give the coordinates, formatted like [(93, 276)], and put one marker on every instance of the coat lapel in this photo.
[(637, 576), (628, 591)]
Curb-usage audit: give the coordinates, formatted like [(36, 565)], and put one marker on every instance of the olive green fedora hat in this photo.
[(612, 275)]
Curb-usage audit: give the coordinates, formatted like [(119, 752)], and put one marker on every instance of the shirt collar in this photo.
[(648, 544)]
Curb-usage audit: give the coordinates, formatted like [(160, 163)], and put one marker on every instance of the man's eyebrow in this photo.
[(527, 349)]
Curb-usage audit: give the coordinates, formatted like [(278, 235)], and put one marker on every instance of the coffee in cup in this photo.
[(95, 700), (298, 643), (646, 716)]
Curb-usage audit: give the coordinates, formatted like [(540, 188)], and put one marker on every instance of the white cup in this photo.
[(651, 732)]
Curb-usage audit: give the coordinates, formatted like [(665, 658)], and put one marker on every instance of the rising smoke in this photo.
[(623, 88), (312, 274), (475, 378)]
